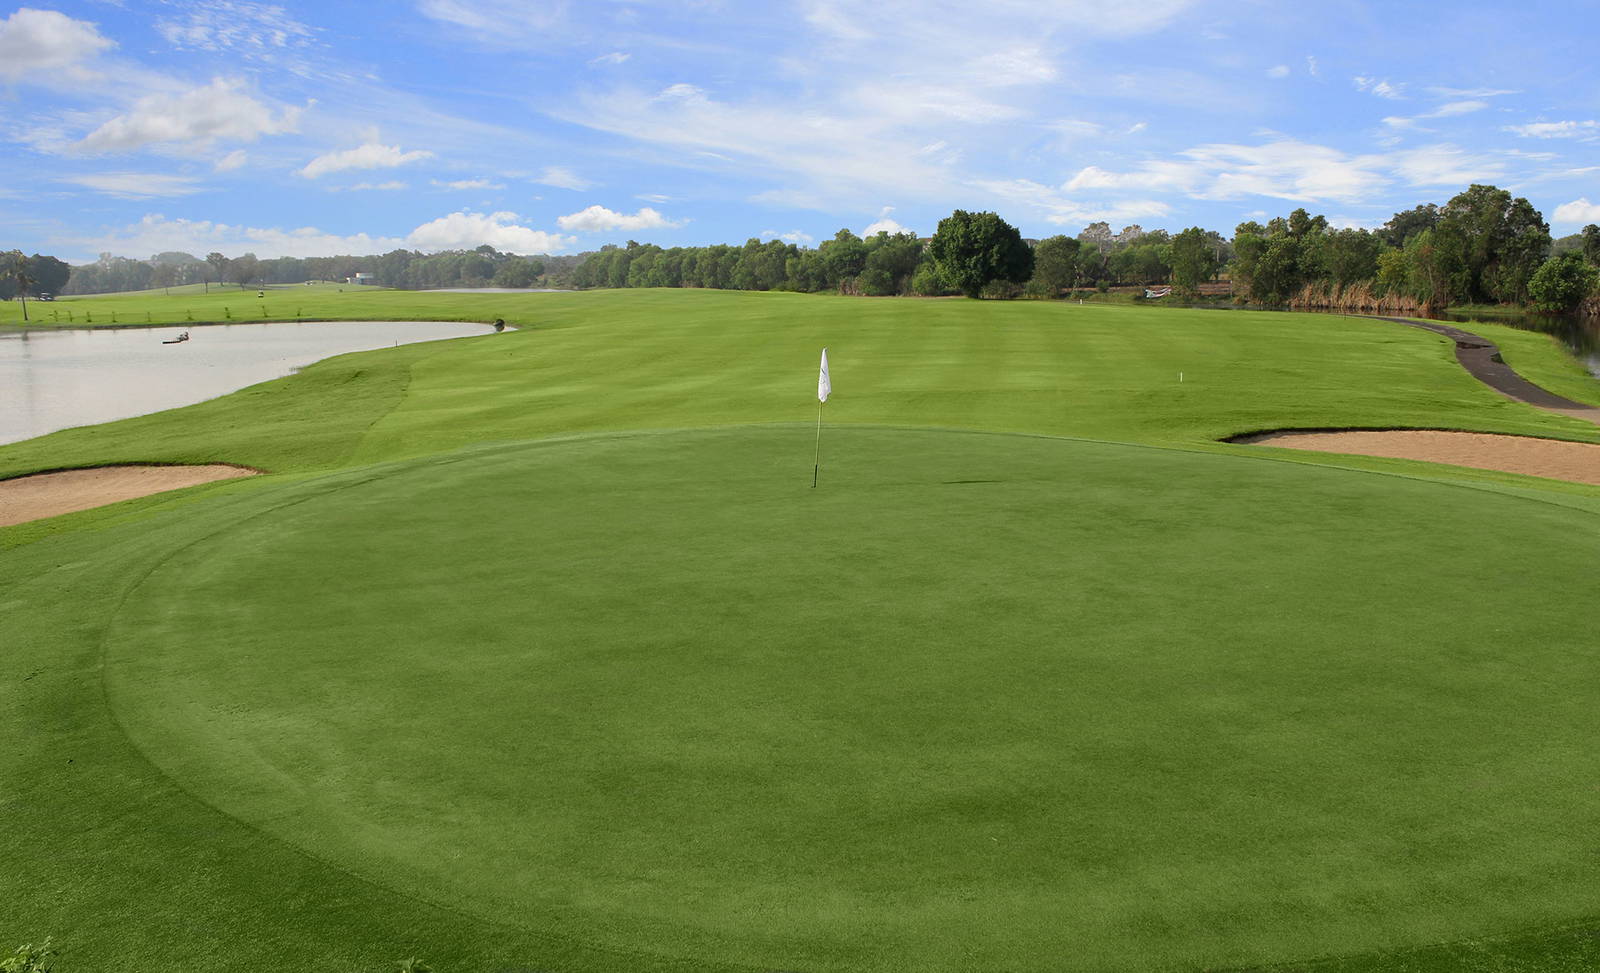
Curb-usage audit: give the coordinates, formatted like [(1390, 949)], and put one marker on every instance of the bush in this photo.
[(926, 281), (1001, 290), (1561, 283)]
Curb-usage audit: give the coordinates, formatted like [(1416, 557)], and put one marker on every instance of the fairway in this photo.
[(538, 651), (978, 700)]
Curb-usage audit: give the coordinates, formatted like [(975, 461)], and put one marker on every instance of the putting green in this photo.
[(978, 701)]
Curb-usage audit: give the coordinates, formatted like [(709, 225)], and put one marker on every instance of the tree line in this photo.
[(1483, 246)]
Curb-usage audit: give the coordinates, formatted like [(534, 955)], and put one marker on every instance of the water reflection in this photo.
[(53, 379)]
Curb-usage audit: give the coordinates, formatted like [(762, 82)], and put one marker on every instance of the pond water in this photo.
[(52, 380)]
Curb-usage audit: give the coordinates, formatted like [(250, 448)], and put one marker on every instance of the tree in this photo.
[(972, 250), (843, 257), (1055, 264), (164, 275), (1591, 244), (1561, 283), (219, 268), (1495, 242), (18, 272), (242, 270), (1193, 260), (50, 275), (1403, 226)]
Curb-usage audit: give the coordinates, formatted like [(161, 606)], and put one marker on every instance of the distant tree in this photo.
[(974, 249), (518, 272), (50, 275), (843, 257), (164, 275), (242, 270), (1404, 225), (1302, 224), (1194, 260), (219, 268), (1343, 257), (18, 271), (1055, 264), (1495, 243), (891, 262), (1591, 244), (1561, 283)]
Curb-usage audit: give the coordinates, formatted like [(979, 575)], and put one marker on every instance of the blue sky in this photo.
[(305, 129)]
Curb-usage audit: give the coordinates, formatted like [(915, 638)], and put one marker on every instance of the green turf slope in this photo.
[(462, 683)]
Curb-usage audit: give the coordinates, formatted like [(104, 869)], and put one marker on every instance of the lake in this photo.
[(58, 379)]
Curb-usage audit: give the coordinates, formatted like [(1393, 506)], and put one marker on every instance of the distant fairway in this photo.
[(540, 653)]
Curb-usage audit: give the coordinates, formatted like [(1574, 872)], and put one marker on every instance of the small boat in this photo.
[(179, 338)]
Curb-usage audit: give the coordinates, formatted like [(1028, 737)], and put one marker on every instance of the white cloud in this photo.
[(368, 156), (35, 41), (1057, 208), (461, 231), (562, 178), (615, 57), (1471, 92), (1578, 211), (241, 28), (793, 236), (1555, 130), (1446, 165), (1312, 67), (596, 219), (883, 224), (1383, 89), (1285, 169), (361, 187), (463, 184), (136, 185), (233, 160), (196, 118), (1278, 71), (1456, 108), (458, 231), (654, 197)]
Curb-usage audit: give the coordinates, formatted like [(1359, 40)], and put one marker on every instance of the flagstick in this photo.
[(816, 463)]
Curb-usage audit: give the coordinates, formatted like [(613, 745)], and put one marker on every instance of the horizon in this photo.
[(447, 124)]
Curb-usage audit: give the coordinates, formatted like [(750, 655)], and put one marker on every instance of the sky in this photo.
[(546, 126)]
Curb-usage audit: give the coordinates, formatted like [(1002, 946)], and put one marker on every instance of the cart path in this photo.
[(1481, 358)]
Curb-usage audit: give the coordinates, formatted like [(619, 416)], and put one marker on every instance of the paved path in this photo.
[(1481, 358)]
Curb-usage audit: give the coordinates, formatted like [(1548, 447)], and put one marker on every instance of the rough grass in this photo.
[(648, 702)]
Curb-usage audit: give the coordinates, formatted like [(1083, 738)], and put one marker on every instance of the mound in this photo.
[(978, 701)]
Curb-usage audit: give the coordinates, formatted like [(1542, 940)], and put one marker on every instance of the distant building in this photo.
[(362, 279)]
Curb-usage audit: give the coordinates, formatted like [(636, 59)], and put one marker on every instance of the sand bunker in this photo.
[(1553, 458), (49, 494)]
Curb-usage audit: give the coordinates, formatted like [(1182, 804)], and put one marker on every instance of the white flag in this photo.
[(823, 385)]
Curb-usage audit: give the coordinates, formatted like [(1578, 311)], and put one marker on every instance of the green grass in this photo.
[(539, 652)]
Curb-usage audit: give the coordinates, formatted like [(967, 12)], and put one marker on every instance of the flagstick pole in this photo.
[(816, 463)]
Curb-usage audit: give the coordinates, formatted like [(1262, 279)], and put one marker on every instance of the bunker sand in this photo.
[(51, 494), (1551, 458)]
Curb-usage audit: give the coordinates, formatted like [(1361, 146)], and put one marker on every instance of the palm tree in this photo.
[(17, 270)]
